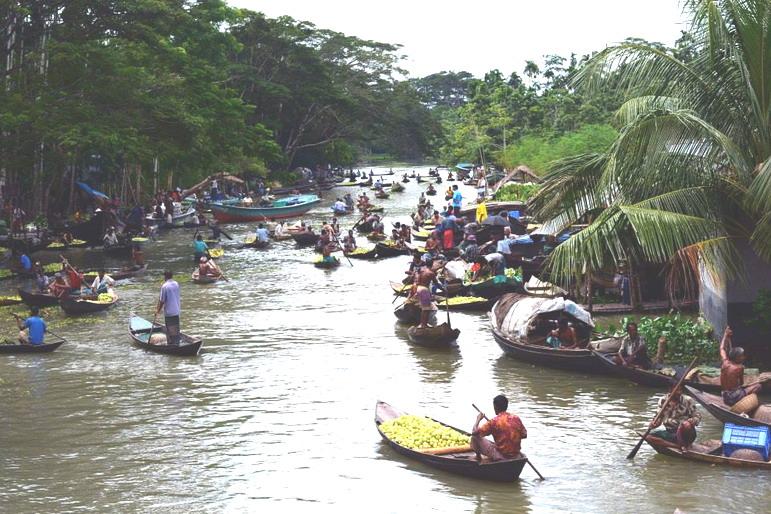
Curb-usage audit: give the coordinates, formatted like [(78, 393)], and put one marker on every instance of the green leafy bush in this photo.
[(686, 338), (516, 192)]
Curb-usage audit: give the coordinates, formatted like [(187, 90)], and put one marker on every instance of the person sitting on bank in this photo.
[(507, 431), (102, 282), (564, 336), (679, 419), (732, 371), (633, 352), (32, 330)]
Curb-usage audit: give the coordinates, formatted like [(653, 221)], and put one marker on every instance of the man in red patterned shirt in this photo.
[(507, 430)]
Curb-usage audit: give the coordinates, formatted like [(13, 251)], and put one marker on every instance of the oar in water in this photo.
[(661, 410), (526, 459)]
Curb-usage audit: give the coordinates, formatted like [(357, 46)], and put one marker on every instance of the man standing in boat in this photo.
[(507, 431), (732, 371), (170, 304)]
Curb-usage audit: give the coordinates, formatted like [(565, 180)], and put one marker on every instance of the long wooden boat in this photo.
[(75, 306), (119, 250), (179, 219), (140, 331), (306, 238), (31, 348), (462, 462), (206, 279), (289, 207), (121, 274), (420, 235), (527, 344), (5, 301), (433, 337), (710, 452), (463, 303), (715, 406), (34, 299), (362, 253), (647, 377), (384, 249)]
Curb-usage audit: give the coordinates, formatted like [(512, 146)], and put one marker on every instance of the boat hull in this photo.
[(235, 214)]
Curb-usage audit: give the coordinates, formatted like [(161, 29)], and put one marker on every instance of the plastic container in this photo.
[(736, 437)]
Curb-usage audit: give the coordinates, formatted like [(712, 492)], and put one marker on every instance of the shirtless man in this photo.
[(732, 371)]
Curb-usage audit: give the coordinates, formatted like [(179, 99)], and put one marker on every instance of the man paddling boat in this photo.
[(679, 419), (32, 330), (732, 371), (507, 431)]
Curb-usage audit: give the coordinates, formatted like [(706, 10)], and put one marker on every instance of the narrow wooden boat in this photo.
[(75, 306), (252, 242), (463, 303), (363, 253), (433, 337), (387, 249), (121, 274), (650, 378), (289, 207), (397, 187), (140, 331), (382, 195), (463, 462), (409, 314), (334, 262), (179, 219), (520, 323), (364, 227), (492, 288), (420, 235), (400, 288), (35, 299), (715, 406), (305, 238), (206, 279), (5, 301), (119, 250), (32, 348), (709, 452)]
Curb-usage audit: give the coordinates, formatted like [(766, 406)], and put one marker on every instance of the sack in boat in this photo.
[(763, 413), (747, 404), (747, 454), (609, 345), (158, 339)]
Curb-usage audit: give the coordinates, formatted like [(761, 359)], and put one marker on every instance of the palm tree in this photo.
[(688, 181)]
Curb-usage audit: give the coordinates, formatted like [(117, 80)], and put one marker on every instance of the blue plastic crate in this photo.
[(736, 437)]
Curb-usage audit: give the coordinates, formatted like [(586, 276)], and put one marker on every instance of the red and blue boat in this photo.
[(288, 207)]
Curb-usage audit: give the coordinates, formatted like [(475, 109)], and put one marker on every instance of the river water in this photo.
[(276, 415)]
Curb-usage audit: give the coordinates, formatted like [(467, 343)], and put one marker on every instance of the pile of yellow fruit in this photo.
[(462, 300), (419, 433), (104, 298), (360, 251)]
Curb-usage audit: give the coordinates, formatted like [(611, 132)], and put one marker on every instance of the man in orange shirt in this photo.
[(507, 431)]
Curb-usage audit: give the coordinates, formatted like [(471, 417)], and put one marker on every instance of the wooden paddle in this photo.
[(661, 410), (526, 459)]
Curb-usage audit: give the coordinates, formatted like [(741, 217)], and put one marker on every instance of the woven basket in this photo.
[(747, 404), (747, 454)]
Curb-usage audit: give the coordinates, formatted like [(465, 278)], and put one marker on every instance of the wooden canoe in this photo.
[(31, 348), (363, 253), (715, 406), (207, 279), (463, 463), (140, 330), (387, 250), (649, 378), (433, 337), (121, 274), (75, 306), (305, 238), (463, 303), (707, 453), (34, 299)]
